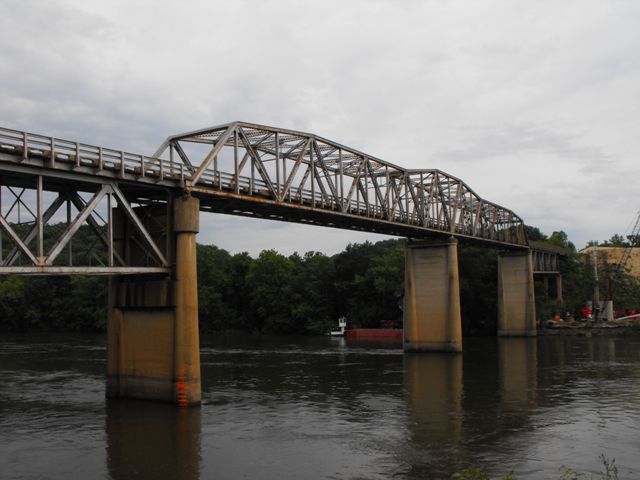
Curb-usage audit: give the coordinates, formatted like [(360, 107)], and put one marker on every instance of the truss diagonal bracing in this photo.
[(248, 162), (238, 168), (40, 240)]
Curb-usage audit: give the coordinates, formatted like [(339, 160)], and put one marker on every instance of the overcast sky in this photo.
[(534, 104)]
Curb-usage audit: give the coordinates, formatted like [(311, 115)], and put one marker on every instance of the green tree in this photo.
[(560, 239), (214, 280), (312, 293), (269, 279)]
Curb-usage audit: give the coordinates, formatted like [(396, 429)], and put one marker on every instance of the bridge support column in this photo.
[(432, 319), (558, 291), (153, 347), (516, 297)]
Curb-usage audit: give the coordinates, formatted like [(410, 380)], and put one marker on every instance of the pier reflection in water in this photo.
[(517, 367), (152, 440), (434, 384)]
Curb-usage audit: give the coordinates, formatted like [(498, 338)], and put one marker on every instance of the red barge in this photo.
[(374, 334)]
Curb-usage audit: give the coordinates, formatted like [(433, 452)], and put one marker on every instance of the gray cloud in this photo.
[(534, 104)]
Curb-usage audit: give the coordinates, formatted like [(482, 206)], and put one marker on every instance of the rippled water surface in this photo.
[(293, 407)]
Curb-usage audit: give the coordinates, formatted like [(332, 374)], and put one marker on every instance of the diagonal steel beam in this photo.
[(212, 154), (418, 208), (258, 163), (76, 224), (17, 240), (18, 201), (327, 176), (79, 203), (183, 155), (50, 212), (247, 156), (378, 192), (356, 180), (294, 170), (133, 218)]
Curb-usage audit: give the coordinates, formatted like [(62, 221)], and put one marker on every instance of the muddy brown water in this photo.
[(318, 408)]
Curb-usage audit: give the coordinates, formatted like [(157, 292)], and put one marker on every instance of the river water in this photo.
[(316, 407)]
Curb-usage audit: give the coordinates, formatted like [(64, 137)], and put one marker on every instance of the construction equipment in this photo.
[(619, 269)]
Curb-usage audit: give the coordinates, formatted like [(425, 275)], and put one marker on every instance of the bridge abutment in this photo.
[(153, 342), (516, 297), (432, 320)]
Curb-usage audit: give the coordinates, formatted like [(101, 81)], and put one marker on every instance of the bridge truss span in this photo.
[(249, 169), (238, 168)]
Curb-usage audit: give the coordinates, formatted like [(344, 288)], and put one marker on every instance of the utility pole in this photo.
[(596, 289)]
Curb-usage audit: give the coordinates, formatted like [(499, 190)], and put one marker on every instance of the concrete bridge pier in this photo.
[(516, 297), (432, 320), (153, 349)]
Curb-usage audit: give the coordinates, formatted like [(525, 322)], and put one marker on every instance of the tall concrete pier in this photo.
[(516, 296), (153, 345), (432, 320)]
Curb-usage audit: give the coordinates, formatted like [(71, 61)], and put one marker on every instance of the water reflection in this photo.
[(149, 441), (518, 363), (434, 384), (313, 408)]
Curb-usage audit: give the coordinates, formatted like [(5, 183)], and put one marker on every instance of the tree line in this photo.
[(299, 293)]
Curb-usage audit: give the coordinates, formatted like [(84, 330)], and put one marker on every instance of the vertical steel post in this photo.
[(25, 146), (53, 151), (0, 228), (312, 166), (406, 197), (39, 221), (171, 157), (278, 164), (422, 205), (341, 180), (69, 223), (284, 177), (236, 172), (109, 230), (253, 175)]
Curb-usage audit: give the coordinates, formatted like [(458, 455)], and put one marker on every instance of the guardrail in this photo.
[(57, 151)]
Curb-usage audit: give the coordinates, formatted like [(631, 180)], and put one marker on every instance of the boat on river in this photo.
[(342, 327)]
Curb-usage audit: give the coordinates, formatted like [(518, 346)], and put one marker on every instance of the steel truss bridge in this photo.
[(238, 168)]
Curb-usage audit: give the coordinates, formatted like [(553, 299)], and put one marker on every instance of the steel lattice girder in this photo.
[(300, 168), (248, 169), (27, 235)]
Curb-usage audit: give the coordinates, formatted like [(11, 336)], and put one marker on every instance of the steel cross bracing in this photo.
[(238, 168), (289, 172)]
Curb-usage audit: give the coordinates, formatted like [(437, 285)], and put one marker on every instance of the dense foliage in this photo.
[(299, 293)]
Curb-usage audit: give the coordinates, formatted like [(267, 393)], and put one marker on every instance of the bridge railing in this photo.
[(64, 153)]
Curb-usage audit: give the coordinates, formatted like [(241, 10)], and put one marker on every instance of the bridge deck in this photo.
[(253, 170)]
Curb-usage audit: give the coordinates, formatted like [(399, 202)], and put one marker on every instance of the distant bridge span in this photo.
[(142, 215)]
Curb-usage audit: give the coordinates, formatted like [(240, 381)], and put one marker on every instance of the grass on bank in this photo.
[(609, 472)]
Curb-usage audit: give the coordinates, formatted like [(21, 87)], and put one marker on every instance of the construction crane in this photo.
[(619, 268), (633, 242)]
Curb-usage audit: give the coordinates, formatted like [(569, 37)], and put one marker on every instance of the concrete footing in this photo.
[(432, 319), (153, 347), (516, 297)]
